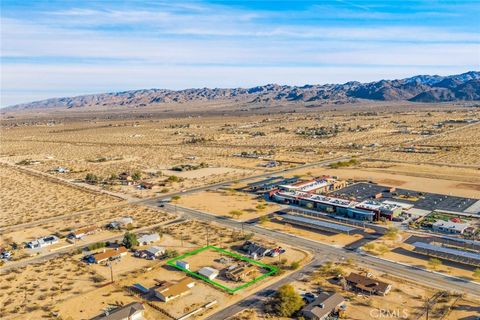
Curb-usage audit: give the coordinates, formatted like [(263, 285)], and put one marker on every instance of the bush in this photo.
[(96, 246), (295, 265), (130, 240), (287, 301)]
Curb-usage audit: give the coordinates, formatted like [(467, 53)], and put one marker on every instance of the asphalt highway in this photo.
[(432, 279)]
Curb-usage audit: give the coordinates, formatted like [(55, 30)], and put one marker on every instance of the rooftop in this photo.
[(122, 313), (324, 304), (367, 283), (169, 289)]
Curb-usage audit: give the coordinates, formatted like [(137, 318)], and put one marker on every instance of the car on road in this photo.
[(267, 293)]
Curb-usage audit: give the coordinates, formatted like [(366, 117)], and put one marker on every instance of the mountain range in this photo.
[(421, 88)]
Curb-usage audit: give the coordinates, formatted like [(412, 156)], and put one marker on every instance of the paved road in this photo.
[(249, 178), (422, 276), (262, 295), (180, 193), (53, 254)]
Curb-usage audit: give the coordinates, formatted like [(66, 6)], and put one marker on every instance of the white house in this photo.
[(182, 264), (42, 242), (208, 272), (131, 311), (155, 251), (148, 238)]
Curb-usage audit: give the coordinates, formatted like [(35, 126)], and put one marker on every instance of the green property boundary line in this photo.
[(271, 269)]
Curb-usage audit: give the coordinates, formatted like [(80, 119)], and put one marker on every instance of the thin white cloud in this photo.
[(178, 45)]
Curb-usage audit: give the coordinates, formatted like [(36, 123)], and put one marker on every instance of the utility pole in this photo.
[(206, 227), (111, 272)]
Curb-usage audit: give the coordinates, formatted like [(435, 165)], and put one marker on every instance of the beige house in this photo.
[(169, 291)]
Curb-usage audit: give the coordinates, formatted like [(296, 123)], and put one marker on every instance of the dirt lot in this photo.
[(399, 251), (415, 177), (153, 146), (338, 239), (34, 291), (27, 198), (223, 202)]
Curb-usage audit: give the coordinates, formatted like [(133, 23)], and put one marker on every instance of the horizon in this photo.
[(244, 87), (62, 49)]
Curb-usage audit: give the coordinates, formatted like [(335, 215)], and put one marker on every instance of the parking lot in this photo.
[(420, 200)]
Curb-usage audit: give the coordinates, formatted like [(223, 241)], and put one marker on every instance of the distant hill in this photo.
[(422, 88)]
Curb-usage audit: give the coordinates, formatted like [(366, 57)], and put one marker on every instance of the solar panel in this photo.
[(460, 240), (318, 223), (459, 253)]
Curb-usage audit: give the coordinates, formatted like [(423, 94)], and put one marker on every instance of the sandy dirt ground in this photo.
[(132, 270), (397, 250), (338, 239), (34, 290), (27, 198), (223, 202), (108, 147), (92, 304), (406, 179)]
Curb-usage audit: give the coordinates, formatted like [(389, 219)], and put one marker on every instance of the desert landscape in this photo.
[(239, 160), (155, 171)]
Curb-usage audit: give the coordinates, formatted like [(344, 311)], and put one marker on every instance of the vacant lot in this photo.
[(228, 203), (33, 291), (27, 198), (338, 239)]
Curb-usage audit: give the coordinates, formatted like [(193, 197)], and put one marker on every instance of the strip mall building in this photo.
[(305, 194)]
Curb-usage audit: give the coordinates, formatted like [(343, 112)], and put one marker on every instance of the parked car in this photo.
[(309, 297)]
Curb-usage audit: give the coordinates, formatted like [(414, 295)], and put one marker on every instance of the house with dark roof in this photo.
[(367, 284), (131, 311), (324, 306), (255, 250)]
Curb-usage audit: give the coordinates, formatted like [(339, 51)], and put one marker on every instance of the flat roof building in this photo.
[(450, 227)]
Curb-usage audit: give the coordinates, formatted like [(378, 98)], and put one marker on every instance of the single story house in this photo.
[(239, 272), (148, 238), (368, 284), (169, 291), (209, 273), (324, 306), (255, 250), (155, 251), (120, 223), (107, 255), (131, 311), (147, 185), (42, 242), (82, 232)]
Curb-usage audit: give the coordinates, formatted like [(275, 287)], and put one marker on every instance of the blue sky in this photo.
[(62, 48)]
